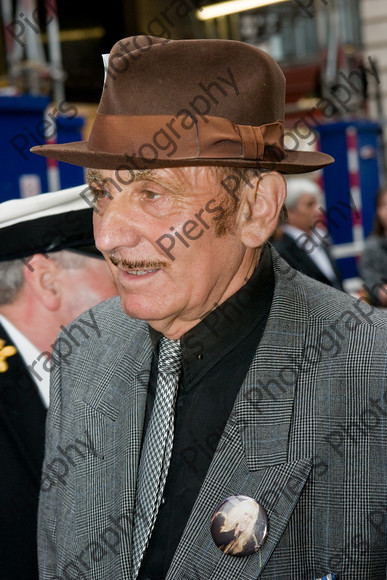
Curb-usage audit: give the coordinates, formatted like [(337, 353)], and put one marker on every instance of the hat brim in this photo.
[(78, 153)]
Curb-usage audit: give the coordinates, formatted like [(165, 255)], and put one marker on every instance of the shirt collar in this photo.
[(293, 232)]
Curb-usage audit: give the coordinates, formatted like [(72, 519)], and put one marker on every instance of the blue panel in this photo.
[(348, 267), (22, 127), (68, 130), (336, 181)]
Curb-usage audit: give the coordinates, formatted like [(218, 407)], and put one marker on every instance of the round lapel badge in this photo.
[(239, 526)]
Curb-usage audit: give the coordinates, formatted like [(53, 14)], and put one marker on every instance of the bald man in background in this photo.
[(301, 240)]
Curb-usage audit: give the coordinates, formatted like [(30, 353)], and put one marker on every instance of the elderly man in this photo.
[(302, 242), (40, 293), (224, 375)]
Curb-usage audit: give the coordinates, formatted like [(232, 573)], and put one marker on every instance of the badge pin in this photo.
[(239, 526), (5, 352)]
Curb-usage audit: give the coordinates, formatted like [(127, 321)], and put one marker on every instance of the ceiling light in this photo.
[(231, 7)]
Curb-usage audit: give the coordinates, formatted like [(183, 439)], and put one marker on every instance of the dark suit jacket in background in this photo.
[(298, 259), (306, 438), (22, 426)]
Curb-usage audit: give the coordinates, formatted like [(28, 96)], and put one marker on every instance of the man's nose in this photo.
[(317, 211), (116, 224)]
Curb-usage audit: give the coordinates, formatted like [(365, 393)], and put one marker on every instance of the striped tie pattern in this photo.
[(157, 448)]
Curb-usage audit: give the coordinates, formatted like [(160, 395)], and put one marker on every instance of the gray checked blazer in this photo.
[(306, 438)]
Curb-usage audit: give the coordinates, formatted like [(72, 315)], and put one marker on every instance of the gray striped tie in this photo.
[(157, 449)]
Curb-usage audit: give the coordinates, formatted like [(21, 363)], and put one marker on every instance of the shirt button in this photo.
[(163, 501), (199, 356)]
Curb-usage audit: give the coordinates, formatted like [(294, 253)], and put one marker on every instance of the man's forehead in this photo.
[(177, 176), (308, 197), (128, 175)]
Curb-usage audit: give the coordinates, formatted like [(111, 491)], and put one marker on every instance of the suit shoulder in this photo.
[(283, 242), (110, 319), (331, 305), (321, 303)]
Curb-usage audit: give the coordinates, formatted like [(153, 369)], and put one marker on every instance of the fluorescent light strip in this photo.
[(231, 7)]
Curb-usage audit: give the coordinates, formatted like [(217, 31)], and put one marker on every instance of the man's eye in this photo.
[(100, 193), (151, 194)]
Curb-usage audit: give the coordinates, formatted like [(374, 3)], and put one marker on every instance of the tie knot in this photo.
[(169, 355)]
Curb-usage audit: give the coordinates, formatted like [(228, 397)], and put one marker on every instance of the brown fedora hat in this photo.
[(170, 103)]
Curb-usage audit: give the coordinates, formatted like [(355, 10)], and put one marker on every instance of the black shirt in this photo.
[(217, 354)]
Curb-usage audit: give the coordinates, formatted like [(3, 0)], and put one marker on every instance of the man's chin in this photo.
[(141, 310)]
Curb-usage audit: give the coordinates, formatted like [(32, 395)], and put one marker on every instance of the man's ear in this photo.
[(41, 275), (260, 208)]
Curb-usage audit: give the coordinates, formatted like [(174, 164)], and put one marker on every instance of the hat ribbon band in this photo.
[(185, 136)]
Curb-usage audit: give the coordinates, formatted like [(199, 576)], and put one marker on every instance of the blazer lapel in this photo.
[(22, 411), (339, 279), (254, 457), (306, 264), (113, 416), (303, 258)]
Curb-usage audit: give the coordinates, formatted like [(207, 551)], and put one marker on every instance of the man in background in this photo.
[(302, 242), (50, 272)]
